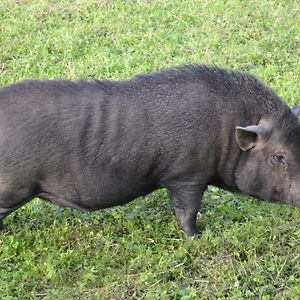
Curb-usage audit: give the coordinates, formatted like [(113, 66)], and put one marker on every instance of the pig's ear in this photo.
[(247, 137), (296, 110)]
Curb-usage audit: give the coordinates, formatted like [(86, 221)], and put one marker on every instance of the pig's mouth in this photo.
[(277, 195), (281, 196), (274, 197), (293, 201)]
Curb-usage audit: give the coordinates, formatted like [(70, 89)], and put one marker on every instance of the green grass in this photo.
[(247, 250)]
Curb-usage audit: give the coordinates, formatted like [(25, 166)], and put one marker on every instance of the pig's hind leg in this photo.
[(9, 204), (12, 197)]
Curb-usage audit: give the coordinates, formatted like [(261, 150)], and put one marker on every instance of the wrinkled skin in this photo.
[(97, 144)]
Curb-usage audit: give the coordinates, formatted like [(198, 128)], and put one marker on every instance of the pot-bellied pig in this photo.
[(97, 144)]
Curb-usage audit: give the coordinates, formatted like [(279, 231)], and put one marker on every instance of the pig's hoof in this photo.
[(191, 235)]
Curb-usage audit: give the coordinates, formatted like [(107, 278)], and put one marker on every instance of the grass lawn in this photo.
[(247, 250)]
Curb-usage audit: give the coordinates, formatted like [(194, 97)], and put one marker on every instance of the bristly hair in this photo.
[(212, 75), (289, 125), (220, 81)]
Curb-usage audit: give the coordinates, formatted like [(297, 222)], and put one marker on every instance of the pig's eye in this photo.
[(277, 159)]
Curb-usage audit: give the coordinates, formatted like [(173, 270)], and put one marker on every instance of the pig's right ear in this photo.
[(247, 137)]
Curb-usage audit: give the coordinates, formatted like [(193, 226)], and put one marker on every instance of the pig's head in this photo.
[(269, 167)]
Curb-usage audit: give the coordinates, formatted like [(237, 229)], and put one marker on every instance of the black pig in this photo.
[(97, 144)]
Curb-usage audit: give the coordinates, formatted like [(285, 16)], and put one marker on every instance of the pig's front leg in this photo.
[(186, 202)]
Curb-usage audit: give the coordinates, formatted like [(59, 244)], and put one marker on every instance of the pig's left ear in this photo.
[(247, 137), (296, 110)]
